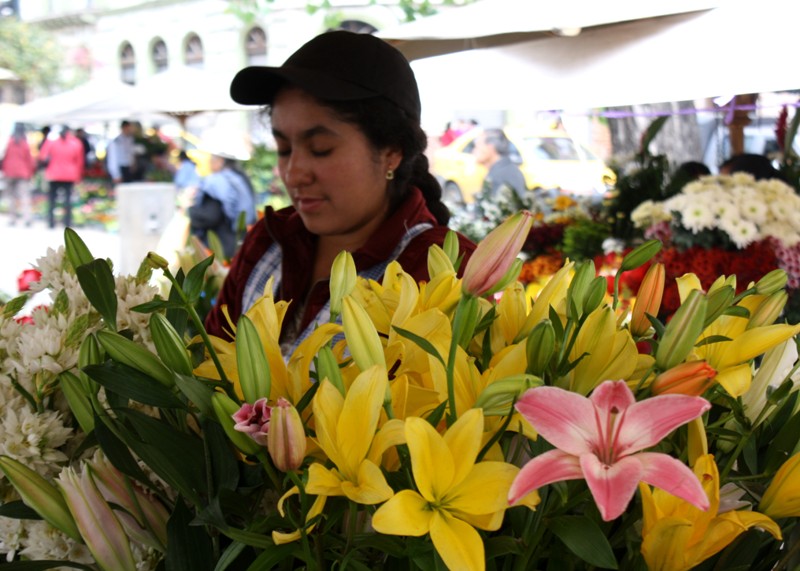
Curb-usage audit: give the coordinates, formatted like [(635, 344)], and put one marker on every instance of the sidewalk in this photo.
[(20, 247)]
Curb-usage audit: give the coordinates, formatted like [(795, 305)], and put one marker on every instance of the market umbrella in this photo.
[(490, 23), (735, 48), (95, 100)]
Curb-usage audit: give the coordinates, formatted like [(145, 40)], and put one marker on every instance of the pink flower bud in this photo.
[(26, 278), (287, 437), (253, 420), (496, 253)]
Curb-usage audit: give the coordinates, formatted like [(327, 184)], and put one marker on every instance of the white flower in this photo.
[(742, 232), (43, 541), (754, 210), (697, 216)]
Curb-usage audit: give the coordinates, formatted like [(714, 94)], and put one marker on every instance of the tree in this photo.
[(30, 52), (248, 10)]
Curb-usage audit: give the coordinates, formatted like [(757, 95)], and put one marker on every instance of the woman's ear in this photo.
[(393, 156)]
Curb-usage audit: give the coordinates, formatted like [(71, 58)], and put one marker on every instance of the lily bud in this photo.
[(772, 282), (255, 377), (451, 247), (125, 351), (439, 262), (253, 420), (343, 281), (362, 337), (328, 368), (156, 262), (648, 299), (719, 299), (169, 345), (579, 288), (682, 331), (692, 378), (498, 398), (540, 347), (99, 527), (496, 253), (286, 440), (640, 255), (782, 498), (768, 310), (40, 495)]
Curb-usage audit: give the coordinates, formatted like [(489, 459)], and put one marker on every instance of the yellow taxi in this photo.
[(548, 160)]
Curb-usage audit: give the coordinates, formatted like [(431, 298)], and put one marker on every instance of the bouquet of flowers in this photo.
[(454, 423), (727, 224)]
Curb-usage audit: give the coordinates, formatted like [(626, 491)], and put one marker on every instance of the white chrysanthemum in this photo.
[(33, 438), (43, 542), (742, 233), (739, 179), (782, 230), (9, 332), (12, 532), (697, 217), (754, 210), (56, 278), (43, 347)]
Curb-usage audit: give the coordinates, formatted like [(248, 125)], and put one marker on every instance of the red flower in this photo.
[(26, 278)]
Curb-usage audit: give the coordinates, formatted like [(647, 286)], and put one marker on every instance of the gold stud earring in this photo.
[(390, 174)]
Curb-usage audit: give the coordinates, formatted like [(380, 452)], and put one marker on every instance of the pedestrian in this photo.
[(222, 198), (492, 150), (64, 159), (18, 168), (121, 155), (345, 114)]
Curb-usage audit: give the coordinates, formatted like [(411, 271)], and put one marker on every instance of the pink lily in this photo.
[(253, 420), (601, 438)]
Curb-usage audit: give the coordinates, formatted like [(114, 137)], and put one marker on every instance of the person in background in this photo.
[(492, 150), (345, 114), (64, 159), (686, 172), (88, 150), (121, 155), (757, 165), (186, 175), (221, 198), (18, 168)]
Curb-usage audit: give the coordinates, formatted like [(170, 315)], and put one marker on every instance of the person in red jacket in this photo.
[(345, 114), (18, 168), (64, 158)]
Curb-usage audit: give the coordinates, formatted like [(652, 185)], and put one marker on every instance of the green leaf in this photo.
[(783, 444), (651, 132), (585, 539), (188, 546), (117, 453), (14, 306), (78, 401), (639, 256), (97, 282), (41, 565), (424, 344), (271, 557), (194, 280), (197, 392), (229, 556), (177, 457), (77, 252), (18, 510), (135, 385), (224, 466)]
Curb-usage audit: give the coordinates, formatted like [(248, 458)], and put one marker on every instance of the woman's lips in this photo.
[(308, 205)]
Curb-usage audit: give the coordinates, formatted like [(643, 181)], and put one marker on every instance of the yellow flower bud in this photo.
[(343, 280)]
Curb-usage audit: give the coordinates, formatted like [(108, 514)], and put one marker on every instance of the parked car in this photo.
[(549, 160)]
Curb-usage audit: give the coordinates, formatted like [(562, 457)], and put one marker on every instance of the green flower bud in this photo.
[(169, 345), (640, 255), (682, 331), (498, 398), (540, 347), (125, 351), (772, 282), (342, 282), (254, 375)]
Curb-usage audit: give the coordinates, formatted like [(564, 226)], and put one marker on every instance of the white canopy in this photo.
[(738, 47)]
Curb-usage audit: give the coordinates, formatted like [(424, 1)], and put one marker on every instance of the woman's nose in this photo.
[(295, 171)]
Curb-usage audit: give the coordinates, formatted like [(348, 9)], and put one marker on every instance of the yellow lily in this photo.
[(678, 536), (608, 353), (782, 498), (455, 495), (345, 430), (732, 359)]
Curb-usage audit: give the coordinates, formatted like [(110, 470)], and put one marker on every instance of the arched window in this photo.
[(127, 64), (357, 26), (255, 45), (160, 56), (193, 51)]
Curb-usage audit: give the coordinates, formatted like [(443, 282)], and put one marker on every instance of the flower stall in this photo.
[(457, 423)]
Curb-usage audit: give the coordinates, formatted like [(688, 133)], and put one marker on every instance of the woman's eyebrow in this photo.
[(307, 134)]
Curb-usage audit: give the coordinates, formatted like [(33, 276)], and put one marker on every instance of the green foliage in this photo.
[(30, 52), (583, 239)]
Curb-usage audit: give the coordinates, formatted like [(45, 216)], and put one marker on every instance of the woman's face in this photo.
[(335, 178)]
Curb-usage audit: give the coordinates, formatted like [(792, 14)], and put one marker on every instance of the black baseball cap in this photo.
[(335, 66)]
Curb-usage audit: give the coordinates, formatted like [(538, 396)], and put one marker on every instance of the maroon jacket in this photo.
[(285, 227)]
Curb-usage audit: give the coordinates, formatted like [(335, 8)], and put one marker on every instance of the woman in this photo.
[(18, 167), (345, 113), (221, 198)]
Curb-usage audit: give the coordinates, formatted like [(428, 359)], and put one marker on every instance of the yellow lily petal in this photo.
[(359, 418), (407, 301), (782, 498), (736, 380), (725, 528), (327, 406), (406, 513), (431, 460), (323, 482), (392, 433), (754, 342), (463, 439), (553, 294), (280, 537), (485, 490), (662, 548), (457, 542), (371, 487), (686, 283)]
